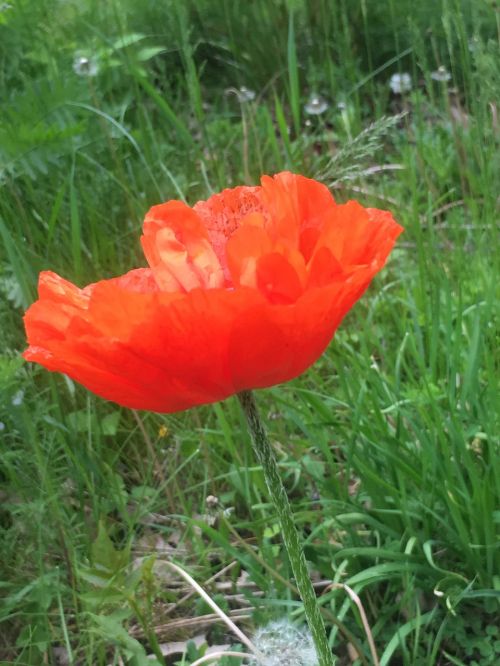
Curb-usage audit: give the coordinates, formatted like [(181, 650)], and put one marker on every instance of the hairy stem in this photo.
[(289, 531)]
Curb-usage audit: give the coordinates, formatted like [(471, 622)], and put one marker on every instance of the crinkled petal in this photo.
[(178, 249), (294, 204), (357, 236), (278, 279), (243, 250)]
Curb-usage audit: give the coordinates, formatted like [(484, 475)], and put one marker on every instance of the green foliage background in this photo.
[(388, 446)]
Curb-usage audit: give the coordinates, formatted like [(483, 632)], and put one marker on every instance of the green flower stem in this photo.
[(289, 531)]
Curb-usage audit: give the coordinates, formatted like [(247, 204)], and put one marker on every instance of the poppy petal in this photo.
[(177, 247), (243, 250), (295, 203), (277, 279)]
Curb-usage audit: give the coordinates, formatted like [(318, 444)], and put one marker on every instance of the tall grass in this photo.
[(389, 445)]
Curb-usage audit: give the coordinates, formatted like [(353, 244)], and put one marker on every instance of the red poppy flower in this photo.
[(243, 290)]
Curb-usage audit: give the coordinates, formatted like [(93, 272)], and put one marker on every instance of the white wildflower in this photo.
[(283, 644), (2, 426), (400, 83), (441, 74), (316, 105)]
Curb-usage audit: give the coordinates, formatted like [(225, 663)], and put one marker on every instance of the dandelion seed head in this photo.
[(85, 66), (283, 644), (245, 94), (316, 105), (212, 502), (441, 74), (473, 43), (400, 83)]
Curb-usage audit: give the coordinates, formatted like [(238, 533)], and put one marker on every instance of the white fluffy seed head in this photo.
[(283, 644), (85, 65), (316, 105), (441, 74), (400, 83)]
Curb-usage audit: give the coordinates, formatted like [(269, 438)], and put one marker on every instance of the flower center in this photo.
[(222, 213)]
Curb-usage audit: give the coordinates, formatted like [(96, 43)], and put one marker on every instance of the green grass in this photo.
[(388, 445)]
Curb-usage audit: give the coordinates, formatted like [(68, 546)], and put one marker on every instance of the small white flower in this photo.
[(245, 94), (283, 644), (316, 105), (441, 74), (400, 83), (85, 66), (18, 398), (2, 426)]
